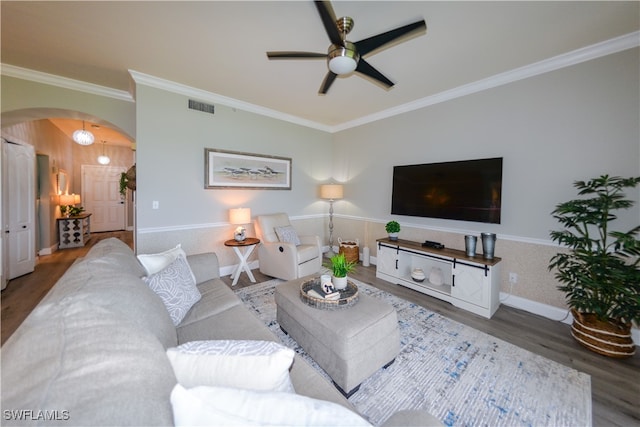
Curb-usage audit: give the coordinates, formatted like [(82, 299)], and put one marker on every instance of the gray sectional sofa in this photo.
[(93, 352)]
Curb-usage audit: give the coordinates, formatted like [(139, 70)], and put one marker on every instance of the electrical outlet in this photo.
[(155, 205), (513, 278)]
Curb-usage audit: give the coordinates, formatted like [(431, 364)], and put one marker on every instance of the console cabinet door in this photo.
[(471, 285), (387, 260)]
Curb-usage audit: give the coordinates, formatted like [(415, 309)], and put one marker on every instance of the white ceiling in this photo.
[(219, 47)]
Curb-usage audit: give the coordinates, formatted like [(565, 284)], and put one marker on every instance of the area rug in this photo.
[(462, 376)]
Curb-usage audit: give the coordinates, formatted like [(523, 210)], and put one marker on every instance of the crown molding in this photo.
[(598, 50), (205, 96), (64, 82)]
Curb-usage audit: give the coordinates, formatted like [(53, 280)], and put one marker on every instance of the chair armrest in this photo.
[(310, 240)]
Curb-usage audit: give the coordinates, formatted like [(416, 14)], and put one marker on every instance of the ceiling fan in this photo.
[(343, 56)]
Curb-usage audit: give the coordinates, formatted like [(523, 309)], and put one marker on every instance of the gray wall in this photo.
[(567, 125)]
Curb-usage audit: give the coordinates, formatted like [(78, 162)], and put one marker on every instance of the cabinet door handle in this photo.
[(453, 281), (396, 264)]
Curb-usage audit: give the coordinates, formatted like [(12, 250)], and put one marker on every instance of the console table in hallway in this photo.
[(74, 231)]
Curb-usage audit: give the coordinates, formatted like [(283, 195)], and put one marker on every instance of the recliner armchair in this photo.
[(281, 252)]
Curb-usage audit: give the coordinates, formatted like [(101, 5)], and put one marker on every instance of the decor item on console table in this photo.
[(74, 231), (488, 245), (471, 283), (393, 228)]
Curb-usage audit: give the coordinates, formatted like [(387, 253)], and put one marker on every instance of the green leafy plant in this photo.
[(600, 271), (392, 227), (123, 183), (74, 211), (340, 266)]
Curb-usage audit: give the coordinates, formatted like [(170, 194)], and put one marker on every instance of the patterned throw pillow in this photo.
[(254, 365), (176, 286), (287, 234)]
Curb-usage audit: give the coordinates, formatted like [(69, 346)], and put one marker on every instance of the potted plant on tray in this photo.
[(340, 267), (600, 272), (393, 228)]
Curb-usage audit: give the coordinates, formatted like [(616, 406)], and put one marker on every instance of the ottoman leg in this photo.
[(389, 364)]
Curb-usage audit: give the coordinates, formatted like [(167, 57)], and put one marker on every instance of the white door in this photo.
[(19, 200), (101, 197)]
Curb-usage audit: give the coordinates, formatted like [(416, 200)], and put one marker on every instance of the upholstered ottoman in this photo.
[(349, 343)]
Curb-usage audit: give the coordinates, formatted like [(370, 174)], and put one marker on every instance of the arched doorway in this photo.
[(49, 132)]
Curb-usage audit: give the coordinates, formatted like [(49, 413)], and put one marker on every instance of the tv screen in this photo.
[(469, 190)]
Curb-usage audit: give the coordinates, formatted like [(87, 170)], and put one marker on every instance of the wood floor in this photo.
[(615, 384)]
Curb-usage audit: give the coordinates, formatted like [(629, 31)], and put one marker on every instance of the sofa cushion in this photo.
[(176, 287), (248, 364), (229, 407), (91, 362), (216, 298)]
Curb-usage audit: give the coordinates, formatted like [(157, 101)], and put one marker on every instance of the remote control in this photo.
[(432, 244)]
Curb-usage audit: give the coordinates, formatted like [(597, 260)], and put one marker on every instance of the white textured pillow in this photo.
[(255, 365), (287, 234), (218, 406), (154, 263), (176, 287)]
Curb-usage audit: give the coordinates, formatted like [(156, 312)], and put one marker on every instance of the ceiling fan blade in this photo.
[(365, 68), (367, 45), (328, 81), (328, 17), (295, 55)]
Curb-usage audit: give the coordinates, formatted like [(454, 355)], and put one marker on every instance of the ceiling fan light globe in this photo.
[(83, 137), (343, 59), (342, 65)]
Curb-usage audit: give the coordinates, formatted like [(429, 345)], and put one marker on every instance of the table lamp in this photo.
[(239, 216)]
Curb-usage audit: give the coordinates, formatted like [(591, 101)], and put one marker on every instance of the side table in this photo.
[(242, 249), (74, 231)]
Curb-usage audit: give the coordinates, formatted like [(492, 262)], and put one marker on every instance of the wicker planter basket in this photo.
[(350, 250), (606, 338)]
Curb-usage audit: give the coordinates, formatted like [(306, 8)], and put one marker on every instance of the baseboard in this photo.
[(549, 311)]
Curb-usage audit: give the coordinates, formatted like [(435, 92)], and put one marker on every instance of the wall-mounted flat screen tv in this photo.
[(469, 190)]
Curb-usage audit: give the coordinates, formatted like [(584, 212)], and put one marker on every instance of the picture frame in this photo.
[(237, 170)]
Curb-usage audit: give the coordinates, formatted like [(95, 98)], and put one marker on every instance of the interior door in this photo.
[(18, 169), (101, 197)]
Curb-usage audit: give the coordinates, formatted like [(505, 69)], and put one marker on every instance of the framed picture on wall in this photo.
[(231, 169)]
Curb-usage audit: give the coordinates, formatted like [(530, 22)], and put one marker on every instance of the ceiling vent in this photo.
[(201, 106)]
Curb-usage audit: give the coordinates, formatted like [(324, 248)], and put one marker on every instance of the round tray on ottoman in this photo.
[(348, 296)]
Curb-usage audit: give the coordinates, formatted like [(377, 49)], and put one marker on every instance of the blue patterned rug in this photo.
[(461, 375)]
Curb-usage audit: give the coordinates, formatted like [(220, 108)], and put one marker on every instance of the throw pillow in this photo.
[(153, 263), (176, 287), (208, 406), (256, 365), (287, 234)]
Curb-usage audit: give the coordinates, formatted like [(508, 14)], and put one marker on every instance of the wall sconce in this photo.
[(240, 216), (331, 192)]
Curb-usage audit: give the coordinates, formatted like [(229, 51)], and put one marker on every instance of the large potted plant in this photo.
[(599, 272), (340, 267)]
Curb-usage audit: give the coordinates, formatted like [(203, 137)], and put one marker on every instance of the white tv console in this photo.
[(471, 283)]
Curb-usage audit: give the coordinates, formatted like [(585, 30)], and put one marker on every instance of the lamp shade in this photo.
[(331, 191), (67, 199), (240, 215), (76, 199)]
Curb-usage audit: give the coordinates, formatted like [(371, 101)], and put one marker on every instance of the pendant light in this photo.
[(83, 137), (104, 159)]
